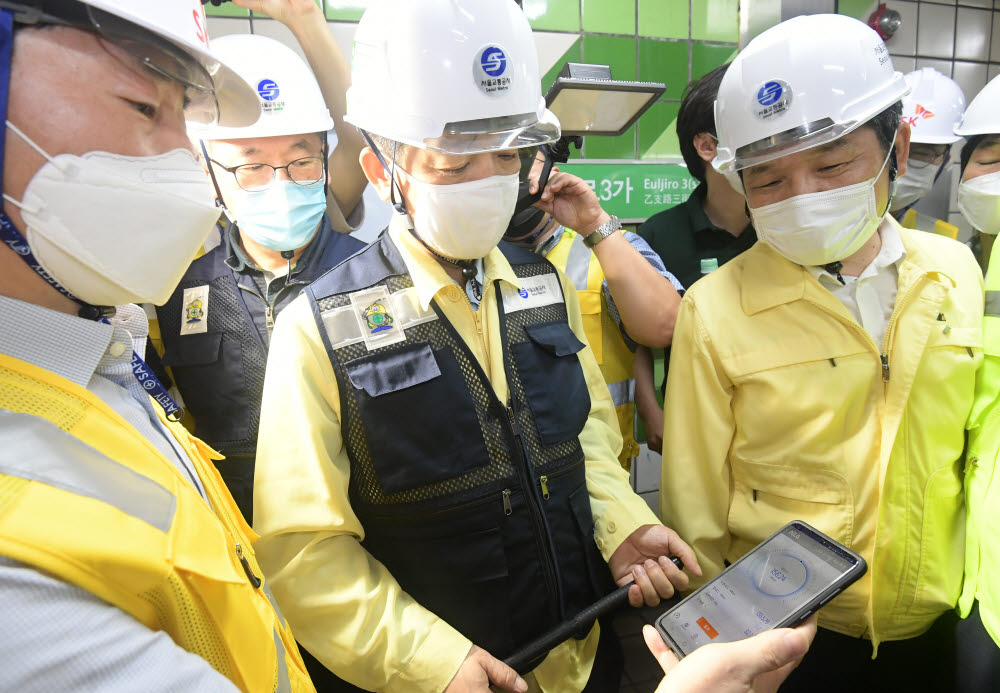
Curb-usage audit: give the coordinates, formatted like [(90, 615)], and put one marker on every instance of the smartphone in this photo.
[(778, 584)]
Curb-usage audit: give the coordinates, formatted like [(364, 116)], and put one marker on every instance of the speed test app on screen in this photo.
[(758, 592)]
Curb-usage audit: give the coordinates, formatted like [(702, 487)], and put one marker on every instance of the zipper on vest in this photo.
[(269, 318), (254, 580), (507, 508), (544, 483), (885, 367)]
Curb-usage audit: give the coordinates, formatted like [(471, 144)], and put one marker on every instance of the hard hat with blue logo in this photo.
[(454, 76), (169, 37), (290, 99), (933, 108), (801, 84)]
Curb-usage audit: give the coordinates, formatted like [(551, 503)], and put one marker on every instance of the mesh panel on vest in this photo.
[(225, 315), (543, 458), (364, 485), (21, 394), (188, 624)]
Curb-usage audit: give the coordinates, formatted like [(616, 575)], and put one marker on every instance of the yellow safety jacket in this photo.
[(613, 355), (120, 521), (925, 222), (982, 490)]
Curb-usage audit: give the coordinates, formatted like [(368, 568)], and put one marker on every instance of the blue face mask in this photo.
[(283, 217)]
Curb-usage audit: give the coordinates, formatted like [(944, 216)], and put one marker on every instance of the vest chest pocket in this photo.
[(418, 416), (553, 380), (210, 375)]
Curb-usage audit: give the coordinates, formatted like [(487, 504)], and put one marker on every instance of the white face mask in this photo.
[(914, 184), (824, 227), (114, 229), (463, 221), (979, 202)]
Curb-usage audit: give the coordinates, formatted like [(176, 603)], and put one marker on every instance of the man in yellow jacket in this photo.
[(124, 563), (827, 374)]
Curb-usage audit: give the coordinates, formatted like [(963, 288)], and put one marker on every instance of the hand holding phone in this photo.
[(778, 584)]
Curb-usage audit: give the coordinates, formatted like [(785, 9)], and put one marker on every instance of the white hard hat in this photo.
[(982, 117), (800, 84), (291, 102), (169, 36), (456, 76), (933, 107)]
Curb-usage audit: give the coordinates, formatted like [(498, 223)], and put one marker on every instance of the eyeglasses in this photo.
[(257, 177)]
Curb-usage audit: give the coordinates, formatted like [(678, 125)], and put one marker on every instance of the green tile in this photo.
[(663, 18), (855, 8), (226, 9), (706, 57), (572, 54), (553, 15), (621, 147), (659, 119), (715, 20), (664, 61), (609, 16), (346, 10), (615, 51)]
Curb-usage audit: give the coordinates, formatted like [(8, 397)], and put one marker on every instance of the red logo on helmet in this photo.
[(921, 113), (199, 25)]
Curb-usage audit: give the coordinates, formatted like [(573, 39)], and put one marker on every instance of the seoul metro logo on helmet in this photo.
[(490, 71), (268, 89), (772, 99)]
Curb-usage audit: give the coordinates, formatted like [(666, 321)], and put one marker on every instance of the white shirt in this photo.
[(55, 636), (871, 296)]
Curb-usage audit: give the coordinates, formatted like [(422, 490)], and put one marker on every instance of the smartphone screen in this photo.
[(791, 573)]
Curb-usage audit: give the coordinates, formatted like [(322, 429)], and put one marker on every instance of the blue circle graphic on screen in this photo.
[(780, 574), (268, 89), (769, 93), (493, 61)]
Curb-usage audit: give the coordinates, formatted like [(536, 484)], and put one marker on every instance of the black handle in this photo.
[(525, 659)]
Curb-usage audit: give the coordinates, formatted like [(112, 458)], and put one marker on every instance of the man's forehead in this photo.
[(846, 144)]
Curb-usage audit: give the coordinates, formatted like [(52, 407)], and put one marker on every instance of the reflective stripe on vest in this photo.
[(578, 263), (992, 306), (622, 392), (284, 685), (83, 471)]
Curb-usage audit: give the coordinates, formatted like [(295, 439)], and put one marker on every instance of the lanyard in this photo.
[(152, 385)]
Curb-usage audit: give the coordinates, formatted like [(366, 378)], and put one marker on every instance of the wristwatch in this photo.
[(603, 231)]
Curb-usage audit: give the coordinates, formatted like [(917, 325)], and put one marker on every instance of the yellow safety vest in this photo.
[(119, 520), (925, 222), (616, 360)]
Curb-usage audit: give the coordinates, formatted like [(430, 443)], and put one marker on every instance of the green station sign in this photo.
[(633, 192)]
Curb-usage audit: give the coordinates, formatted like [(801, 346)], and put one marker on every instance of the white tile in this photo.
[(988, 4), (972, 34), (936, 202), (942, 66), (224, 26), (936, 31), (995, 43), (970, 76), (904, 41), (652, 500), (993, 71), (904, 64), (551, 46), (646, 468)]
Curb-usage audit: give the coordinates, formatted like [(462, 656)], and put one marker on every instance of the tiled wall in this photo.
[(670, 41), (959, 39)]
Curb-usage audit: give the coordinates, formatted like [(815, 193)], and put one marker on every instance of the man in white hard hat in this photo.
[(979, 202), (437, 479), (124, 563), (932, 109), (287, 212), (827, 374)]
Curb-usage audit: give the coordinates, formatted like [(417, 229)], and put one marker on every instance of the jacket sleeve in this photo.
[(617, 510), (695, 483), (342, 604)]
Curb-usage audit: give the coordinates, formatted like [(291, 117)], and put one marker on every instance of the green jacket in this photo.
[(982, 489)]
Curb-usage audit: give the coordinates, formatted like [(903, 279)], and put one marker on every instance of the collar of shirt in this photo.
[(64, 344), (892, 253), (426, 272)]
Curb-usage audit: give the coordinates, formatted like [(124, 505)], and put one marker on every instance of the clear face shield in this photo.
[(496, 134), (154, 52)]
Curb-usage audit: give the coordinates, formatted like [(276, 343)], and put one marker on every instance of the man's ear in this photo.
[(375, 172), (704, 144), (902, 148)]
